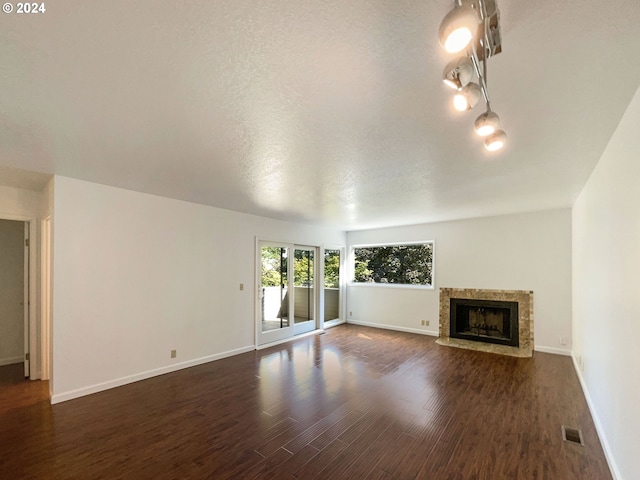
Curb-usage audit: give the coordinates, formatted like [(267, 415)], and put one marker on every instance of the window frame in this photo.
[(352, 262)]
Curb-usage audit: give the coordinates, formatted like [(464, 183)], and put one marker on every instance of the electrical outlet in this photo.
[(241, 286), (422, 323), (351, 314), (426, 322), (173, 353), (563, 340)]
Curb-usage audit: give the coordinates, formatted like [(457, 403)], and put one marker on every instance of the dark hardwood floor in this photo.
[(355, 403), (11, 374)]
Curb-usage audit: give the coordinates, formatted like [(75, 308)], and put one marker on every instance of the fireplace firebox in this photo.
[(489, 321)]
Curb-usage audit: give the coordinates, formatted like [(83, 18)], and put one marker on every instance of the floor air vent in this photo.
[(573, 435)]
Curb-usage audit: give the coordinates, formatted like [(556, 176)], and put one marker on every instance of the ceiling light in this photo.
[(458, 28), (486, 124), (467, 98), (473, 26), (458, 73), (495, 141)]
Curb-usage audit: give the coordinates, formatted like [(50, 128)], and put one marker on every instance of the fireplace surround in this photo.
[(496, 321)]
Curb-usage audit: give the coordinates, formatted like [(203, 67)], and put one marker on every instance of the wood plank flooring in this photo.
[(354, 403), (11, 374)]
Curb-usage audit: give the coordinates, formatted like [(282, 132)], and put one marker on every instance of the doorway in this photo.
[(287, 293), (14, 301)]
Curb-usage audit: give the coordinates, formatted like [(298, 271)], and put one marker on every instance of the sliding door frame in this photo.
[(265, 337), (287, 333), (312, 324), (342, 285)]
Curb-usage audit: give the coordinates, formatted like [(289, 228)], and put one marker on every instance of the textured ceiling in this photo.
[(318, 111)]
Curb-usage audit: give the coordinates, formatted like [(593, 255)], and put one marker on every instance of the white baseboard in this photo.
[(608, 453), (118, 382), (11, 360), (334, 323), (538, 348), (289, 339), (554, 350), (394, 327)]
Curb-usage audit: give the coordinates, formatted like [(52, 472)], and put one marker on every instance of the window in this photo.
[(405, 264)]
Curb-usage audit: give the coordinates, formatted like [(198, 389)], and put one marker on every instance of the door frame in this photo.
[(45, 297), (30, 301), (287, 333), (25, 300), (311, 325), (341, 285), (263, 338)]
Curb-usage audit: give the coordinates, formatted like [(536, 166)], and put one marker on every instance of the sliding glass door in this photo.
[(274, 290), (332, 289), (304, 290), (287, 293)]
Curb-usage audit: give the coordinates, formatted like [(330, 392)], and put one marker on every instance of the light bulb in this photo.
[(495, 141), (485, 130), (458, 39), (460, 102), (486, 124), (467, 98), (458, 28)]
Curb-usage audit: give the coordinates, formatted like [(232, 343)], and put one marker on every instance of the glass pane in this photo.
[(304, 298), (331, 284), (410, 264), (275, 298)]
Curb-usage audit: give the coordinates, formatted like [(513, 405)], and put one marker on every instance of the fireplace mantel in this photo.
[(524, 298)]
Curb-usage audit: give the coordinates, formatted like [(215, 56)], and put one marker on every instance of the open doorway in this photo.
[(14, 301)]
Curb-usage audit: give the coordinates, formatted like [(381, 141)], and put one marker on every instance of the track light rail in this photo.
[(473, 28)]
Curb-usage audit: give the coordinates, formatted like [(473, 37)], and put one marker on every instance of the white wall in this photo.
[(16, 202), (606, 301), (529, 251), (11, 292), (137, 275)]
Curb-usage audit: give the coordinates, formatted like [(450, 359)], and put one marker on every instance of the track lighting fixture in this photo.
[(473, 26), (458, 73)]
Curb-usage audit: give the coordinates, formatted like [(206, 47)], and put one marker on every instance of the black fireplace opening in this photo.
[(490, 321)]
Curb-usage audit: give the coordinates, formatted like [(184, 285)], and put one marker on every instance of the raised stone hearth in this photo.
[(524, 299)]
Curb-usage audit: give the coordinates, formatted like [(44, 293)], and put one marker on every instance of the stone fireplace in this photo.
[(497, 321)]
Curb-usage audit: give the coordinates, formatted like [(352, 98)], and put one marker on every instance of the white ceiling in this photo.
[(320, 111)]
